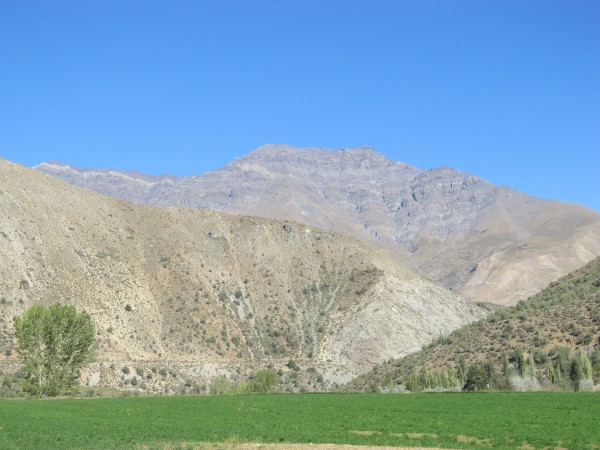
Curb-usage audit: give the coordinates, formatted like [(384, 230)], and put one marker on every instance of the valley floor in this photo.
[(306, 421)]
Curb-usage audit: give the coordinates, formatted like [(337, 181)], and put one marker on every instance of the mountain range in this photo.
[(182, 294), (320, 263), (488, 243)]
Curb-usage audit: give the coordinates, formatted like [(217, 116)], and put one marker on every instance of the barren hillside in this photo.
[(488, 243), (205, 292)]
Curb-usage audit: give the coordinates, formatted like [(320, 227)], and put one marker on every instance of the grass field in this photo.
[(480, 420)]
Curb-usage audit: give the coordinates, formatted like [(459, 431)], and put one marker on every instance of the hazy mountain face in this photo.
[(488, 243), (210, 290)]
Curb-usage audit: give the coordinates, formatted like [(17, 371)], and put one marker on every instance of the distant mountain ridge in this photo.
[(488, 243)]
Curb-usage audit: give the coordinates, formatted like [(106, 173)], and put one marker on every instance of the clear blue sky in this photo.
[(506, 89)]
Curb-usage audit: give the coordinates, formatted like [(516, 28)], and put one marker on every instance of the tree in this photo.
[(520, 361), (55, 344), (265, 381), (581, 368), (477, 378), (219, 385), (595, 361)]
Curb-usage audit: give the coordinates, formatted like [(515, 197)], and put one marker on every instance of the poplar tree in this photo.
[(55, 344)]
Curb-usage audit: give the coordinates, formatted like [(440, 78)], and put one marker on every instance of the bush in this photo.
[(265, 381), (585, 385), (241, 389), (293, 365), (477, 379), (219, 385), (525, 383)]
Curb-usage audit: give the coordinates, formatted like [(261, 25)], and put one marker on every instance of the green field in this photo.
[(479, 420)]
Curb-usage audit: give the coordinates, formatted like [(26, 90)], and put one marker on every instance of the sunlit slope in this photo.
[(201, 287)]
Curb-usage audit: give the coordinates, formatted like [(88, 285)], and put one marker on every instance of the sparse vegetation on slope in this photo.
[(543, 341), (185, 295)]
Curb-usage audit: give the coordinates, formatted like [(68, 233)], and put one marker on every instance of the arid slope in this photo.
[(209, 290)]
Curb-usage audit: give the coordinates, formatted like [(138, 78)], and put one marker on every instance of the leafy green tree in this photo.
[(520, 361), (412, 382), (505, 367), (563, 358), (581, 369), (477, 378), (595, 361), (265, 380), (424, 378), (551, 374), (240, 389), (219, 385), (462, 369), (531, 369), (55, 344)]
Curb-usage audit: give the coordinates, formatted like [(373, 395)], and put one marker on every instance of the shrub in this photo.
[(361, 290), (219, 385), (241, 389), (525, 383), (265, 381), (477, 379)]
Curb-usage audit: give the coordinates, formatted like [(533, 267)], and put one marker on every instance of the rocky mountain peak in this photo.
[(286, 158)]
